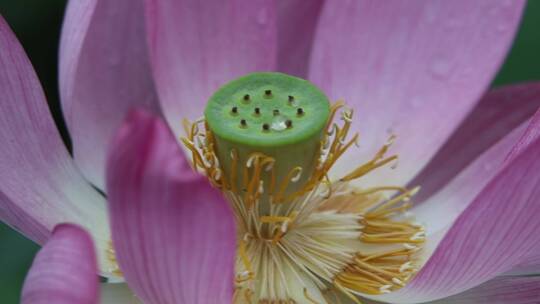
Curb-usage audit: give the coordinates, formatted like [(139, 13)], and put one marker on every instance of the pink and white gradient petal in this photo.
[(441, 209), (500, 111), (410, 69), (501, 290), (530, 135), (104, 71), (197, 46), (531, 266), (39, 183), (173, 233), (64, 271), (495, 233)]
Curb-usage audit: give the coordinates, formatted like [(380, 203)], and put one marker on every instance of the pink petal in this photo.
[(441, 209), (500, 111), (104, 71), (39, 184), (296, 23), (531, 266), (501, 290), (497, 231), (64, 270), (197, 46), (174, 234), (532, 133), (411, 69)]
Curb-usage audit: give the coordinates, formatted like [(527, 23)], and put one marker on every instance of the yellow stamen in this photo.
[(247, 264), (111, 255)]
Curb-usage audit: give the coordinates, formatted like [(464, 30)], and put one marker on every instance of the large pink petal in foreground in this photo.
[(39, 184), (413, 69), (104, 71), (197, 46), (496, 232), (173, 233), (64, 271), (500, 111), (501, 290)]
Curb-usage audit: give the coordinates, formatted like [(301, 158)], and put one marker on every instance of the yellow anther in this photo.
[(333, 110), (111, 255), (275, 219), (245, 259), (293, 174)]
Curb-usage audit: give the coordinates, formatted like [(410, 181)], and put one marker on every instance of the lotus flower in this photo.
[(417, 70)]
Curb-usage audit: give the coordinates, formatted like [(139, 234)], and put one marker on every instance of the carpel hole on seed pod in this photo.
[(288, 123)]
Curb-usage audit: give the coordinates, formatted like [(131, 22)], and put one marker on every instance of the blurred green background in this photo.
[(37, 25)]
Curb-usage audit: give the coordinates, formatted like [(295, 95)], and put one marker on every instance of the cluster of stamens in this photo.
[(298, 235)]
